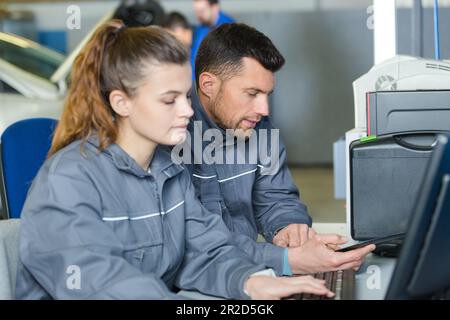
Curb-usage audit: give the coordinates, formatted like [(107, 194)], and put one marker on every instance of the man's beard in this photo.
[(217, 112), (220, 118)]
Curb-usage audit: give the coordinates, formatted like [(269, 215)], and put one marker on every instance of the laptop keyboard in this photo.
[(341, 282)]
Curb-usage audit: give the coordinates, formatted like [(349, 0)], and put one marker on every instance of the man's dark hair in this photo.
[(222, 50), (174, 20), (211, 2)]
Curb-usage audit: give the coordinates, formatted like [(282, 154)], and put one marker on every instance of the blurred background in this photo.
[(327, 45)]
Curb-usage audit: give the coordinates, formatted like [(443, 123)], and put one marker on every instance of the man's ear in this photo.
[(215, 9), (120, 103), (208, 84)]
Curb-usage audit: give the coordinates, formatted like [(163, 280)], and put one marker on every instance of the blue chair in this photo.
[(23, 148)]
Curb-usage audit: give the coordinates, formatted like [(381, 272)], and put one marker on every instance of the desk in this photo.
[(372, 280)]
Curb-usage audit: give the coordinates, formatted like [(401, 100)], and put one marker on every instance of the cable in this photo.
[(437, 47)]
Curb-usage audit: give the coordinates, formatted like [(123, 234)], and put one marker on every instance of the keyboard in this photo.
[(341, 282)]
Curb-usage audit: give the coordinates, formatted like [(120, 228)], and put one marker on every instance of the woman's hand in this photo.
[(275, 288)]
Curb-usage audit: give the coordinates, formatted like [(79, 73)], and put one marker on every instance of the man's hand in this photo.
[(275, 288), (294, 235), (315, 255)]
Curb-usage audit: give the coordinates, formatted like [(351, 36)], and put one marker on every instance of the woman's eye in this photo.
[(169, 102)]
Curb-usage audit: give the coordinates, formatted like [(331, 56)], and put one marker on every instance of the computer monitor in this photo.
[(423, 266)]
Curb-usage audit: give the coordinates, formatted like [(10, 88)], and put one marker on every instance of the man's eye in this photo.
[(253, 94)]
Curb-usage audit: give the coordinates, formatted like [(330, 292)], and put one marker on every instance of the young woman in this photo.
[(109, 215)]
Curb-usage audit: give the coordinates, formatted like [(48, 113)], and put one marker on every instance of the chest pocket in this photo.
[(142, 239), (231, 196), (207, 189), (236, 186)]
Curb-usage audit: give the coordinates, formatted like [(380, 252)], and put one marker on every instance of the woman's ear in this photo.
[(208, 84), (120, 103)]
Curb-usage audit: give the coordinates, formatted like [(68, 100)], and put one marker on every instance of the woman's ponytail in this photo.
[(115, 58), (82, 113)]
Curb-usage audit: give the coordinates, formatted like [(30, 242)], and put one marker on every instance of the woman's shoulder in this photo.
[(72, 158)]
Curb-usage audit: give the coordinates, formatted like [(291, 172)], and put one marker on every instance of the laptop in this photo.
[(423, 267)]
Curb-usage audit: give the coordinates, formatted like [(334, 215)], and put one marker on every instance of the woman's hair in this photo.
[(115, 58)]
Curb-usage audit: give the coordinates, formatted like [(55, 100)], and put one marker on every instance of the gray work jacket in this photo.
[(96, 225), (254, 194)]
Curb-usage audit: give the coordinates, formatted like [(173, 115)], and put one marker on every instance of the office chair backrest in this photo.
[(23, 148), (9, 257)]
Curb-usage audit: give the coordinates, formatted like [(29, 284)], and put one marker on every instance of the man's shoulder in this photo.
[(200, 31), (225, 18)]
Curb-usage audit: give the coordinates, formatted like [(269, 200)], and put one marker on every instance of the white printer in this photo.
[(383, 172), (399, 73)]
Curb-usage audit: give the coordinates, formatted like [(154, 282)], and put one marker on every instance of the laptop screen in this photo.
[(423, 268)]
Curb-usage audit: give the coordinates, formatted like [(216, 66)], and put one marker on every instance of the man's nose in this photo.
[(263, 108)]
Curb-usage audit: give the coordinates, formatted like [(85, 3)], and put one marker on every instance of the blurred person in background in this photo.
[(177, 24), (209, 16)]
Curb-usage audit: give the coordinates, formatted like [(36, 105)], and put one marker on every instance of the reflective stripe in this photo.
[(237, 176), (142, 217), (114, 218), (146, 216), (230, 178), (203, 177), (174, 207)]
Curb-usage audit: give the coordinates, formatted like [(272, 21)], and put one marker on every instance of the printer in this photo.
[(400, 105), (397, 74)]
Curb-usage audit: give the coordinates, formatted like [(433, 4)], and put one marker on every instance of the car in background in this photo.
[(33, 78), (27, 88)]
